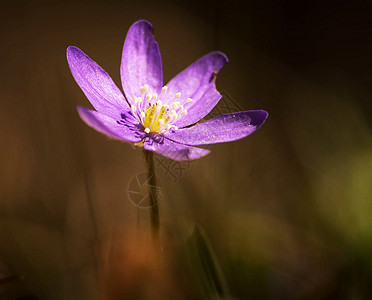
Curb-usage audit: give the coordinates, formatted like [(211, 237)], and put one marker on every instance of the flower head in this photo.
[(156, 116)]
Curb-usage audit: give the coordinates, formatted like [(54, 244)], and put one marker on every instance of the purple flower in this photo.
[(152, 115)]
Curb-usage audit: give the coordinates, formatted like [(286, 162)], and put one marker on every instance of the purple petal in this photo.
[(200, 109), (117, 129), (221, 129), (141, 61), (173, 150), (96, 84), (198, 83)]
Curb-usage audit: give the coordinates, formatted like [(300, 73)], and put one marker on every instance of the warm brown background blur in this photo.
[(287, 212)]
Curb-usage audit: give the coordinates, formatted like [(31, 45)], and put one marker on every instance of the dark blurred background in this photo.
[(283, 214)]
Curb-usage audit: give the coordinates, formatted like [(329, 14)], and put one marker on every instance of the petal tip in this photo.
[(201, 153), (264, 114), (73, 53), (224, 56), (260, 117), (72, 50), (192, 154), (142, 23), (82, 110), (220, 59)]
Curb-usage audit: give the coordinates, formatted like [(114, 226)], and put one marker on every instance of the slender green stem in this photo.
[(153, 195)]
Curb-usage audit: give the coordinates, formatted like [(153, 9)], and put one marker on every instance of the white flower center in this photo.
[(155, 116)]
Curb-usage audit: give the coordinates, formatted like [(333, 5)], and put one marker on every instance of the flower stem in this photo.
[(153, 196)]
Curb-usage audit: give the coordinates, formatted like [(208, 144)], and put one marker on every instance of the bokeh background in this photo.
[(283, 214)]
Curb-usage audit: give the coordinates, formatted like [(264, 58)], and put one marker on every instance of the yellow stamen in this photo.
[(155, 116)]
